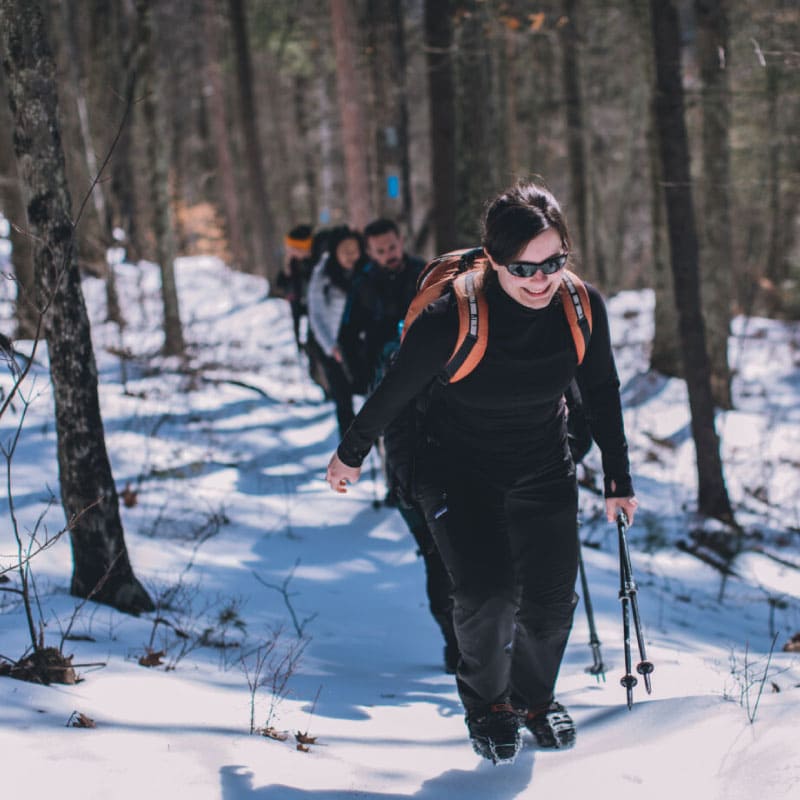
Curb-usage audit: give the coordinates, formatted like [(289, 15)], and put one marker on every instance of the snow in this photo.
[(233, 514)]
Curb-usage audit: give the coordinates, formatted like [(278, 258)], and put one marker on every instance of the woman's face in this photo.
[(538, 290), (347, 253)]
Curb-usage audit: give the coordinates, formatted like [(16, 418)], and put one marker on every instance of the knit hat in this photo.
[(299, 239)]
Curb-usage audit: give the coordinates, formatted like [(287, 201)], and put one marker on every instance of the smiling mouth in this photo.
[(536, 293)]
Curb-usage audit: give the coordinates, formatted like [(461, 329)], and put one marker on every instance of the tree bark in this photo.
[(665, 355), (13, 207), (388, 68), (674, 149), (474, 143), (102, 569), (158, 158), (262, 225), (579, 189), (351, 114), (713, 53), (226, 176), (439, 42)]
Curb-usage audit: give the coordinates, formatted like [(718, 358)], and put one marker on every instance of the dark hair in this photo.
[(338, 275), (518, 215), (380, 226)]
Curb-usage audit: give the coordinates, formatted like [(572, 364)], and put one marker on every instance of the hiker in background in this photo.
[(378, 302), (327, 296), (370, 335), (495, 476), (293, 278)]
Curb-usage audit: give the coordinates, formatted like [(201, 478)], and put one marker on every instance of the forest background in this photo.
[(269, 114)]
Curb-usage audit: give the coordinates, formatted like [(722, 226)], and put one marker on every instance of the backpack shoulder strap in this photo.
[(434, 279), (578, 309), (473, 325)]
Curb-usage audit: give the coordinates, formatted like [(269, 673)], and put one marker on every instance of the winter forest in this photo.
[(185, 606)]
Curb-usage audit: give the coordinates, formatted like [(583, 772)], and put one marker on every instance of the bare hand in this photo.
[(339, 474), (626, 504)]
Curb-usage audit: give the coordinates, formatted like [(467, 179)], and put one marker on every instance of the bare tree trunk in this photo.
[(474, 111), (439, 42), (13, 207), (81, 89), (775, 269), (102, 569), (713, 52), (388, 69), (511, 117), (219, 126), (665, 355), (263, 228), (349, 95), (158, 156), (300, 98), (579, 188), (124, 52), (674, 148)]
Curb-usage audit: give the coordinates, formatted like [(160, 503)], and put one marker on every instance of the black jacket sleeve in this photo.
[(599, 385), (424, 352)]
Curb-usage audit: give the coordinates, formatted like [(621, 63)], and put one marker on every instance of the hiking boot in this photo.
[(551, 726), (495, 733)]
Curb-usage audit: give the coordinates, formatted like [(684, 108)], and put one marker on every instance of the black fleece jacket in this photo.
[(508, 415)]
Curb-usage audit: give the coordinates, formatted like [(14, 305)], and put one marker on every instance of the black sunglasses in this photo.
[(527, 269)]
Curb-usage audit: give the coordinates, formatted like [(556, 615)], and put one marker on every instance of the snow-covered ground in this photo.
[(235, 530)]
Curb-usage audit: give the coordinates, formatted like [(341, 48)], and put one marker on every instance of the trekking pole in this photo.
[(627, 594), (598, 668), (373, 473)]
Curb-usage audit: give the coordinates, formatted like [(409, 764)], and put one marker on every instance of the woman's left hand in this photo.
[(626, 504)]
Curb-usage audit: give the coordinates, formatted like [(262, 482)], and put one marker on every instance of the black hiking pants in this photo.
[(510, 544)]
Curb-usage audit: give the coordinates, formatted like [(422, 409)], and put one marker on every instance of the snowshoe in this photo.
[(495, 733), (552, 727)]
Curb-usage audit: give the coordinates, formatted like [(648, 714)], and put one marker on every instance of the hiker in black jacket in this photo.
[(369, 334), (378, 301), (496, 478)]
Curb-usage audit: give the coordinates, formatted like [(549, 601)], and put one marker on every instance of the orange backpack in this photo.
[(464, 270)]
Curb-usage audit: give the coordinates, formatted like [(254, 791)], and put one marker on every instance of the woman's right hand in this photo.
[(339, 474)]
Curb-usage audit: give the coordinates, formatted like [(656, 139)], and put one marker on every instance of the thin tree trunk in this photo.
[(511, 86), (579, 189), (439, 42), (301, 99), (102, 569), (665, 355), (219, 126), (674, 148), (713, 52), (13, 207), (262, 225), (125, 51), (158, 158), (349, 94), (388, 70), (776, 261), (474, 112)]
